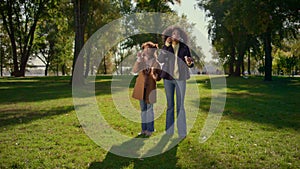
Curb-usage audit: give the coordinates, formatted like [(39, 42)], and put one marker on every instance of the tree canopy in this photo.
[(238, 26), (264, 33)]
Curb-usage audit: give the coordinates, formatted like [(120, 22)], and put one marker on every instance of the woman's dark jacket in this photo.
[(167, 57)]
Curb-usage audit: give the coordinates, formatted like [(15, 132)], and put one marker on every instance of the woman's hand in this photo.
[(188, 60), (169, 40)]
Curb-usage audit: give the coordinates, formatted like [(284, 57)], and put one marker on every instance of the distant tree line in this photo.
[(260, 30), (54, 31), (246, 35)]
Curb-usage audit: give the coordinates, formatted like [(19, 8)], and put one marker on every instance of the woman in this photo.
[(148, 70), (176, 59)]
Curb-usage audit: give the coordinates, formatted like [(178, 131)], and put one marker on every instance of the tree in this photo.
[(287, 57), (152, 6), (54, 41), (80, 18), (20, 20), (143, 24), (101, 13), (263, 19), (5, 60), (268, 20), (221, 30)]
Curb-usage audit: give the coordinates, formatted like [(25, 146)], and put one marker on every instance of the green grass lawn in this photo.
[(260, 127)]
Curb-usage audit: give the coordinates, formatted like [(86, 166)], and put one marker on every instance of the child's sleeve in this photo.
[(138, 66)]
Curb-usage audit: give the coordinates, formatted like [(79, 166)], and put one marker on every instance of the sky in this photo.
[(197, 16)]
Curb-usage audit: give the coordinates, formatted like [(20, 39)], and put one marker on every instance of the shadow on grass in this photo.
[(26, 90), (255, 100), (14, 116), (166, 160), (31, 89)]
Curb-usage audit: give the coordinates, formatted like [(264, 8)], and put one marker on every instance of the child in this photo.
[(148, 70)]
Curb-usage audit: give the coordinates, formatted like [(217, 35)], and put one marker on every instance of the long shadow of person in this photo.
[(156, 157)]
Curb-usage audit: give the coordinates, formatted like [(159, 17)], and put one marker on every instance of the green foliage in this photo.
[(154, 23), (5, 51), (101, 13), (154, 5), (287, 58), (52, 25), (247, 24), (54, 40), (20, 18)]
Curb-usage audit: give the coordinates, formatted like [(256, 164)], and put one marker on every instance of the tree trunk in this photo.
[(9, 26), (24, 60), (238, 65), (87, 64), (26, 45), (104, 64), (63, 69), (237, 72), (88, 55), (2, 55), (80, 13), (46, 69), (268, 56), (57, 68), (249, 72), (92, 70), (231, 61), (243, 67)]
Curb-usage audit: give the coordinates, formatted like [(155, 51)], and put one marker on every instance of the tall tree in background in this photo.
[(89, 17), (274, 21), (220, 30), (238, 32), (20, 20), (153, 6), (270, 20), (287, 57), (54, 41), (5, 51), (99, 14), (80, 18)]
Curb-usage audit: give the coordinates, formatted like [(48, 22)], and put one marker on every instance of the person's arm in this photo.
[(188, 59), (138, 66), (156, 71), (164, 51)]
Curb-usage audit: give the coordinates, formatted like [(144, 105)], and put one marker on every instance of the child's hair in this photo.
[(151, 45)]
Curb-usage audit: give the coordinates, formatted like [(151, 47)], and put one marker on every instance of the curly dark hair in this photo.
[(168, 33)]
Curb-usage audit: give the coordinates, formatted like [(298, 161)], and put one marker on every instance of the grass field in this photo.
[(260, 127)]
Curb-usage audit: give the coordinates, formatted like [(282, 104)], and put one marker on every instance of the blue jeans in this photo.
[(180, 87), (147, 116)]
